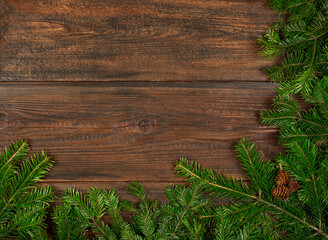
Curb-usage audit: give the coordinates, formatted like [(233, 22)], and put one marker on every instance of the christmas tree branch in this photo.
[(88, 212), (34, 172), (186, 170), (194, 192)]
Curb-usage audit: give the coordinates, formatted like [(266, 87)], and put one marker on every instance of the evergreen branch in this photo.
[(164, 209), (31, 171), (250, 170), (9, 157), (194, 172), (128, 206), (319, 96), (28, 217), (137, 190), (309, 162), (195, 190), (113, 208), (296, 125), (22, 205), (223, 230), (288, 43), (255, 167), (147, 213), (37, 195), (13, 153), (322, 91), (288, 165), (259, 211), (25, 219), (299, 40), (64, 226), (75, 198), (248, 206), (290, 135), (307, 153), (293, 5)]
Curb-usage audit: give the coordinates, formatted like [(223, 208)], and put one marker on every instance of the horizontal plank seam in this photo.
[(260, 127), (123, 181), (143, 81)]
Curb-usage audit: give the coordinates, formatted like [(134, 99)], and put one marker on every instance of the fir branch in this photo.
[(255, 167), (215, 186), (67, 225), (22, 205), (296, 125), (299, 41), (8, 160), (188, 201), (91, 209), (114, 209), (228, 186), (30, 172)]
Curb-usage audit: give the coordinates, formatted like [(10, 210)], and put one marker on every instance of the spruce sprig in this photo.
[(303, 215), (22, 204), (295, 124), (68, 226), (90, 209), (301, 41), (178, 219)]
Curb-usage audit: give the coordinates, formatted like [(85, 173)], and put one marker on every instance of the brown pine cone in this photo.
[(280, 191), (282, 178), (293, 185)]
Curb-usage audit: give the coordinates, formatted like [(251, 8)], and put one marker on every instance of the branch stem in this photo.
[(318, 230)]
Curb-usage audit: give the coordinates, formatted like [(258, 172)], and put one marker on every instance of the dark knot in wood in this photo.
[(4, 119), (146, 125)]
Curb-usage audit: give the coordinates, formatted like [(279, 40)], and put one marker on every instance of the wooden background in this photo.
[(117, 90)]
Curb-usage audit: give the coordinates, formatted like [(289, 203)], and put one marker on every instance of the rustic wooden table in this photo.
[(117, 90)]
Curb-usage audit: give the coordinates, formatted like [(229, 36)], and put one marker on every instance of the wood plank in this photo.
[(135, 131), (128, 40)]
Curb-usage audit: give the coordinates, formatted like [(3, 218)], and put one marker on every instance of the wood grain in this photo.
[(132, 40), (135, 131)]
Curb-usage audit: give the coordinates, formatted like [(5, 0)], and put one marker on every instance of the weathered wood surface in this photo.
[(133, 40), (117, 90), (111, 131)]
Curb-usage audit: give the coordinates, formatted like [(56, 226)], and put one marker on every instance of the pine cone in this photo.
[(282, 178), (280, 191), (293, 186)]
